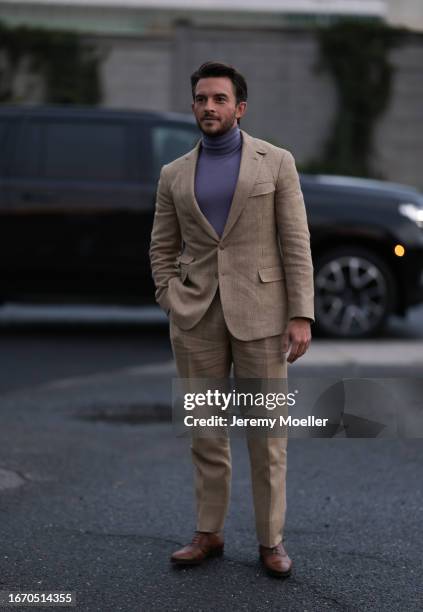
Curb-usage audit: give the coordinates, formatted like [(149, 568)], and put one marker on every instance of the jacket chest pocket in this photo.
[(183, 262), (262, 189), (274, 273)]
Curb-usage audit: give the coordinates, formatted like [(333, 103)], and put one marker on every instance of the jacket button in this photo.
[(216, 275), (221, 247)]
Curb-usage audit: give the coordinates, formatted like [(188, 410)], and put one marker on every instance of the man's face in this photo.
[(215, 107)]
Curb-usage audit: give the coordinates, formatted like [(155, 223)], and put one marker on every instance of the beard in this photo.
[(217, 127)]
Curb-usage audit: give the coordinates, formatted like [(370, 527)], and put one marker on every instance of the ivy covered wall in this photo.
[(357, 57), (66, 65)]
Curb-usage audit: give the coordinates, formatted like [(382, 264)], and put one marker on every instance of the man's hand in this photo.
[(298, 335)]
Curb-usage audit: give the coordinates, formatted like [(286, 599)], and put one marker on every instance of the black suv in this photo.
[(77, 191)]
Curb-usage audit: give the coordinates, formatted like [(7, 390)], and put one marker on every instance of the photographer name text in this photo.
[(270, 422)]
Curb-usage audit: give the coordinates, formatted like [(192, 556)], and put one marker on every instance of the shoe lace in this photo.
[(197, 538)]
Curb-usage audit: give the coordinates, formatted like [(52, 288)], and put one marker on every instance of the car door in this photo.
[(7, 124), (75, 185), (18, 256)]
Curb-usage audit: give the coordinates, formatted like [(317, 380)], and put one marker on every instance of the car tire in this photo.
[(354, 293)]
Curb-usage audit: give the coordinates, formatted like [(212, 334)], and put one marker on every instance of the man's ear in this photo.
[(241, 110)]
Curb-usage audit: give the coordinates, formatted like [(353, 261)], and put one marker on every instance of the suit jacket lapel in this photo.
[(188, 186), (251, 157)]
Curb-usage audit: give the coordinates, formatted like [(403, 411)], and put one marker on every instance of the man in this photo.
[(231, 261)]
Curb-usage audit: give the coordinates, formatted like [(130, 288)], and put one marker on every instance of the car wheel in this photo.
[(354, 293)]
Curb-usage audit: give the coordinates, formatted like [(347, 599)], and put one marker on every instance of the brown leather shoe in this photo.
[(276, 560), (203, 545)]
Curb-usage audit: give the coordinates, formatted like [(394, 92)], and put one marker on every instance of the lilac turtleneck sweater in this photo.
[(217, 175)]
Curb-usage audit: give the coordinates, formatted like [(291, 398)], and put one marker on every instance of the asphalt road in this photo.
[(101, 496), (96, 490)]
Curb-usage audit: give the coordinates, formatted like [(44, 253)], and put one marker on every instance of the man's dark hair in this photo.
[(217, 69)]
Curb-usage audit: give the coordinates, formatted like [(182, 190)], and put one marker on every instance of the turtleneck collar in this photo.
[(223, 144)]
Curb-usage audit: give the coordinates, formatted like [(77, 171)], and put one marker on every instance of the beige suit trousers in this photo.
[(208, 350)]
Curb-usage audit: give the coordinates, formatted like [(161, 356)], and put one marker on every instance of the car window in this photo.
[(25, 149), (2, 132), (83, 150), (3, 126), (170, 142)]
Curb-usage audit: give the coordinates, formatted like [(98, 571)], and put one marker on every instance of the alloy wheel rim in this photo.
[(351, 295)]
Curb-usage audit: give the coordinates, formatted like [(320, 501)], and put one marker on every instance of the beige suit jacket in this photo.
[(262, 263)]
